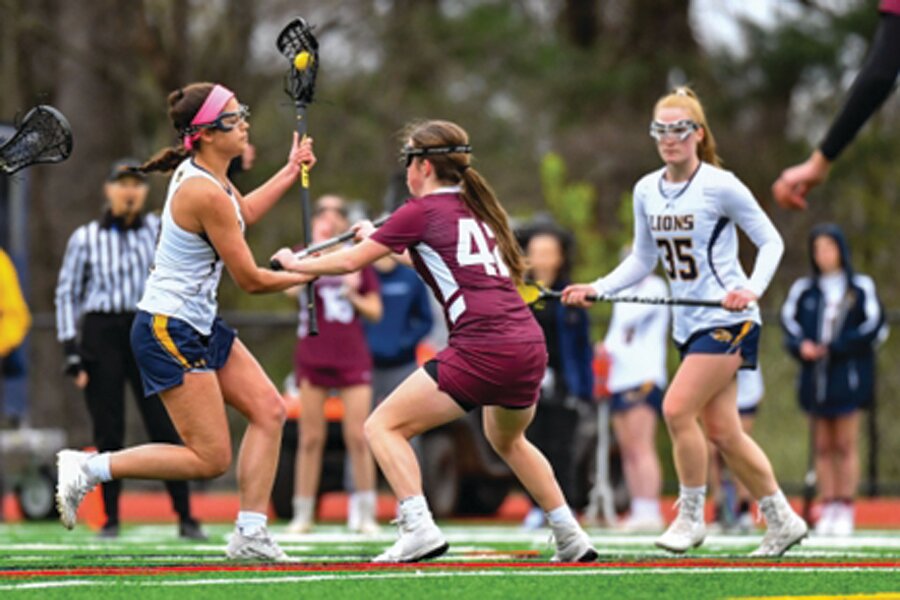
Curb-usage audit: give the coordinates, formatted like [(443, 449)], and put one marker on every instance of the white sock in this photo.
[(561, 515), (414, 510), (776, 499), (367, 503), (97, 468), (303, 507), (249, 522), (645, 508)]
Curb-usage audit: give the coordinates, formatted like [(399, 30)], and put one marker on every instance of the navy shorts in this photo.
[(166, 348), (742, 338), (648, 393)]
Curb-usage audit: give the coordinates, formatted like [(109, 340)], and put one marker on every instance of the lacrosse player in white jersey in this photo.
[(687, 214)]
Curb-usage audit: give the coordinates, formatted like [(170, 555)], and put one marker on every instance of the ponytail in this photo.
[(478, 196), (183, 105), (685, 98)]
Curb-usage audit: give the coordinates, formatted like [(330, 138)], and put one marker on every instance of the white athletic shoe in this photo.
[(421, 542), (299, 526), (256, 546), (72, 484), (825, 525), (688, 529), (682, 535), (842, 525), (573, 545), (645, 524), (785, 529)]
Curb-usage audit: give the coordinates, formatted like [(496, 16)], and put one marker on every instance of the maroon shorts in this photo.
[(492, 375), (334, 377)]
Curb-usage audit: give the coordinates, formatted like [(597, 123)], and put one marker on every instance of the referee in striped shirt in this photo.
[(101, 280)]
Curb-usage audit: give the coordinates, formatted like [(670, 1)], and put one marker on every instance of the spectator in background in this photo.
[(832, 322), (569, 379), (15, 320), (103, 274), (636, 343), (336, 359)]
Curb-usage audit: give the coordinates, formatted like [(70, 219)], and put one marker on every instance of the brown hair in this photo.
[(183, 105), (685, 98), (477, 193)]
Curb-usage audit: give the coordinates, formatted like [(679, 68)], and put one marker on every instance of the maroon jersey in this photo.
[(341, 342), (457, 256), (890, 6)]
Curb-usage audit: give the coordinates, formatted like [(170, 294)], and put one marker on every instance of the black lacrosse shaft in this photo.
[(308, 292), (637, 300), (325, 244)]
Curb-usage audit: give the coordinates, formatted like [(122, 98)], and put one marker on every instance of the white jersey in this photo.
[(750, 387), (184, 278), (636, 340), (691, 227)]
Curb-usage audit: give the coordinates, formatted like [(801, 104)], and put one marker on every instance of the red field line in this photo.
[(462, 566)]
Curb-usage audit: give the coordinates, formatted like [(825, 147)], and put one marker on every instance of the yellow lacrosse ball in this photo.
[(303, 60)]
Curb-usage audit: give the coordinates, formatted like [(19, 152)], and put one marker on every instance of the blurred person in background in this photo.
[(636, 344), (833, 320), (15, 321), (568, 379), (873, 84), (337, 359), (101, 280)]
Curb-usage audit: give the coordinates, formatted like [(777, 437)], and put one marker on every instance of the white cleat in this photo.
[(419, 543), (72, 484), (257, 546), (682, 535), (781, 535), (573, 545)]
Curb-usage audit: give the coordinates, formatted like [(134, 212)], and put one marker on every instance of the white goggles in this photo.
[(679, 130)]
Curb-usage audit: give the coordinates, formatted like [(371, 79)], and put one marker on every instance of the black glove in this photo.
[(72, 364)]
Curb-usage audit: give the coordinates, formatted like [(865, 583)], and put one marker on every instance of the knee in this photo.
[(502, 444), (312, 439), (722, 438), (844, 449), (373, 429), (355, 438), (675, 415), (214, 463), (271, 412)]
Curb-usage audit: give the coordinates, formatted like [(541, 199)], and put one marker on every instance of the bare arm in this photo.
[(336, 263), (215, 216), (258, 202)]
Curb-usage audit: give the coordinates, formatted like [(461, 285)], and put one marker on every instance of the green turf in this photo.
[(474, 567)]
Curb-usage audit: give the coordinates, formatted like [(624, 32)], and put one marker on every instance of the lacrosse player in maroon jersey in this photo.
[(457, 236), (337, 359)]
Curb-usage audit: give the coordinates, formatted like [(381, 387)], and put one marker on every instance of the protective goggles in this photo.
[(226, 121), (679, 130), (408, 153)]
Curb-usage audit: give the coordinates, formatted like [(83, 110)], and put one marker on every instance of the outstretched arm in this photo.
[(872, 86), (337, 263)]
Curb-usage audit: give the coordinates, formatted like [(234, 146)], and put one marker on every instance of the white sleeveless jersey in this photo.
[(637, 339), (693, 233), (184, 278)]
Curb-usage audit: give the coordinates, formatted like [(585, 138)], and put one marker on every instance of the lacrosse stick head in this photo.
[(44, 136), (297, 38)]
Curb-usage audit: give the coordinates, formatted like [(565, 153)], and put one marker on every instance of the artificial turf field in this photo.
[(485, 561)]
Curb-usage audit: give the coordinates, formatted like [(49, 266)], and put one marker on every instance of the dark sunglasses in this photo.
[(408, 153)]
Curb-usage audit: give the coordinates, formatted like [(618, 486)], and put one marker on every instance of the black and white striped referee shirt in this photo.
[(104, 270)]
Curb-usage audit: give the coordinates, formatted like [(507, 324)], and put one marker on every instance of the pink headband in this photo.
[(211, 108)]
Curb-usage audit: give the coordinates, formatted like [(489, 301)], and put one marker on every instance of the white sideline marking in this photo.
[(581, 572)]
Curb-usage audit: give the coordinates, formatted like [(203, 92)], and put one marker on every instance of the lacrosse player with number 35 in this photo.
[(686, 214), (458, 237)]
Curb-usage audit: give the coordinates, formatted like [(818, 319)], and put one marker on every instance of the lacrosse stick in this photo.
[(325, 244), (297, 43), (44, 136), (533, 291), (601, 501)]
